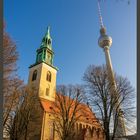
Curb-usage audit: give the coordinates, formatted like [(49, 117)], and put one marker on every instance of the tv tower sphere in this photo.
[(104, 40)]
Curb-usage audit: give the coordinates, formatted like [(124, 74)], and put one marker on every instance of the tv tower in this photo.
[(105, 42)]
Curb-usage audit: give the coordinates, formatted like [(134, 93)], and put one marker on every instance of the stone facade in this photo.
[(42, 76), (86, 128)]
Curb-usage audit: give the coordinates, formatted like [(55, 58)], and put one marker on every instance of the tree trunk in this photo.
[(107, 133)]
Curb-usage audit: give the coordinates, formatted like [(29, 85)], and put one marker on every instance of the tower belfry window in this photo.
[(34, 75), (49, 41), (47, 90), (46, 40), (48, 78)]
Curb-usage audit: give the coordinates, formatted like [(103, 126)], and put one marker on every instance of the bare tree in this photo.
[(10, 56), (28, 112), (11, 100), (11, 82), (106, 105), (66, 111)]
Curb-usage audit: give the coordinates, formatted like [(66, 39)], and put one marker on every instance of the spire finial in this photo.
[(100, 16), (48, 30)]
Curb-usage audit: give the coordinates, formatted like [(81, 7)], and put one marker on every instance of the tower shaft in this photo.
[(105, 42), (120, 129)]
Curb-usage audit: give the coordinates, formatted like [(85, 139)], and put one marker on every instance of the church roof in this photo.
[(87, 116)]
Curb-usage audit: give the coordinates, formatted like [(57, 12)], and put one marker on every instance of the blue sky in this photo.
[(75, 32)]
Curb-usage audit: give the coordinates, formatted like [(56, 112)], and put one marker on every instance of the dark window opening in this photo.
[(48, 78), (46, 40), (44, 54), (49, 42), (39, 57), (47, 91), (34, 75)]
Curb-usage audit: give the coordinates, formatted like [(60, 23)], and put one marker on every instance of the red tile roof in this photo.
[(87, 116)]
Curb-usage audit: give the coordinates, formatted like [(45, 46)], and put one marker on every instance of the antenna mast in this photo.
[(100, 15), (105, 42)]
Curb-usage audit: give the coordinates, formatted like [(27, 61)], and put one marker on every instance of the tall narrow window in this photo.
[(34, 75), (48, 78), (49, 42), (47, 91), (46, 40), (52, 131), (39, 57)]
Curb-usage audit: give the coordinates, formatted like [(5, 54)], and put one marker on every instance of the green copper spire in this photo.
[(45, 52), (48, 32), (47, 40)]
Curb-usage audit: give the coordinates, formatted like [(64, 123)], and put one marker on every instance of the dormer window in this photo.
[(34, 75), (48, 78)]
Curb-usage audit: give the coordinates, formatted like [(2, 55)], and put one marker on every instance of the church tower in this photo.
[(42, 74)]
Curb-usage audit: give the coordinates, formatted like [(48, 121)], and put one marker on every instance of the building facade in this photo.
[(42, 76)]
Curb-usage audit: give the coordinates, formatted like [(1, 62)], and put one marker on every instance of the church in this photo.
[(42, 75)]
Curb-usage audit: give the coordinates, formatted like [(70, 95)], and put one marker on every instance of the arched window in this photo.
[(48, 78), (34, 75)]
